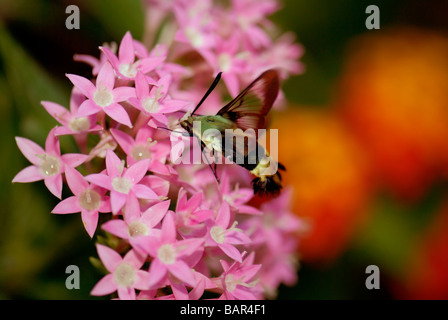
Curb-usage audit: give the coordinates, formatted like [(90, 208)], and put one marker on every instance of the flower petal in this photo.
[(123, 93), (157, 272), (144, 192), (152, 216), (117, 227), (135, 259), (118, 113), (231, 251), (123, 139), (113, 164), (137, 171), (168, 229), (126, 51), (105, 286), (106, 77), (29, 174), (88, 108), (74, 159), (54, 184), (30, 149), (69, 205), (84, 85), (75, 180), (100, 179), (117, 201), (90, 221), (110, 258), (183, 272), (58, 112)]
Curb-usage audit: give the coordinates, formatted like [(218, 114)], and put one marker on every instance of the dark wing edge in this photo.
[(250, 108)]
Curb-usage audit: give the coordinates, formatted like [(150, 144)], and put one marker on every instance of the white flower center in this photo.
[(121, 184), (79, 124), (224, 62), (166, 254), (194, 36), (136, 228), (90, 200), (103, 97), (124, 275), (218, 234), (151, 105), (50, 165), (128, 69), (140, 152)]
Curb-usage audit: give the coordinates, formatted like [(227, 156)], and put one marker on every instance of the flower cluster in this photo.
[(171, 230)]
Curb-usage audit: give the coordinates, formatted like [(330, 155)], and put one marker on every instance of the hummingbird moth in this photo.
[(243, 116)]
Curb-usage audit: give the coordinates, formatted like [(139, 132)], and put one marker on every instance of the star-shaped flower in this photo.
[(48, 164)]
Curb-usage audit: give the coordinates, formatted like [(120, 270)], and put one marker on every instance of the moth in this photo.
[(243, 116)]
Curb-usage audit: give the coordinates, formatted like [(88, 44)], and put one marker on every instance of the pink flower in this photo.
[(156, 102), (224, 235), (143, 147), (237, 197), (125, 65), (71, 122), (170, 255), (189, 215), (48, 164), (137, 225), (87, 199), (103, 96), (94, 62), (123, 182), (125, 274), (236, 280), (226, 58)]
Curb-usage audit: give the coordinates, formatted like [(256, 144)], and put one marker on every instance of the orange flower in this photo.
[(329, 175), (394, 93)]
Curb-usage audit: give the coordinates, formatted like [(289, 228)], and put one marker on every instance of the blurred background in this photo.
[(364, 139)]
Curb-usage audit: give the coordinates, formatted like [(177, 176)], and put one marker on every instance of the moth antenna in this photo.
[(212, 87)]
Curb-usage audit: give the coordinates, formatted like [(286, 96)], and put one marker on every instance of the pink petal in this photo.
[(117, 201), (223, 218), (232, 83), (152, 216), (29, 174), (150, 244), (243, 293), (105, 205), (190, 246), (141, 86), (75, 180), (159, 185), (111, 57), (137, 171), (61, 114), (110, 258), (157, 272), (52, 146), (168, 229), (90, 221), (30, 149), (106, 77), (74, 159), (76, 99), (116, 227), (113, 164), (123, 139), (118, 113), (84, 85), (126, 293), (88, 108), (170, 105), (126, 51), (100, 179), (54, 184), (231, 251), (105, 286), (141, 281), (132, 211), (183, 272), (149, 64), (179, 291), (123, 93), (144, 192), (134, 259), (69, 205)]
